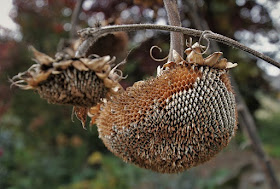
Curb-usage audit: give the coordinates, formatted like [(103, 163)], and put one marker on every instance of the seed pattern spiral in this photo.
[(73, 87)]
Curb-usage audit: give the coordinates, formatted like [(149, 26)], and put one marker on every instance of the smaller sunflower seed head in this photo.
[(75, 81)]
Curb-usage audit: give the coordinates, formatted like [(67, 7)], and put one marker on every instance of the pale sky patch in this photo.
[(5, 20)]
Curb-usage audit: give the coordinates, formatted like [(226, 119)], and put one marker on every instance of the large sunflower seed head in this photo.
[(180, 119)]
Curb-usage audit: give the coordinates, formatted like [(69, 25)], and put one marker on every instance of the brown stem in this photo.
[(250, 127), (176, 39), (199, 23), (92, 34), (74, 18)]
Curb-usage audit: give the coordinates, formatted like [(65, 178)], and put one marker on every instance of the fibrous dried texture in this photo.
[(75, 81), (175, 121), (73, 87)]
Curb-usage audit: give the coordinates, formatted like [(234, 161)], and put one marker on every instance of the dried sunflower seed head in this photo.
[(75, 81), (180, 119)]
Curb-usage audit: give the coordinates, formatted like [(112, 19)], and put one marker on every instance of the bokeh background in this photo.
[(41, 147)]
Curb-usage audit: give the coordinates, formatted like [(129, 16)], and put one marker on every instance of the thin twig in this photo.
[(250, 127), (198, 22), (176, 38), (74, 18), (245, 116), (92, 34)]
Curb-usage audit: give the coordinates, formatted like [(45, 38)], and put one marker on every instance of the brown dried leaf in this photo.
[(62, 64), (81, 114), (80, 66), (222, 64), (41, 57), (94, 113), (96, 64), (39, 78), (212, 59)]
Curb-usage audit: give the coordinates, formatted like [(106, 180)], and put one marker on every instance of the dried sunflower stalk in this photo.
[(180, 119)]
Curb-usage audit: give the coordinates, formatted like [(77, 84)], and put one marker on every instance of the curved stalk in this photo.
[(92, 34)]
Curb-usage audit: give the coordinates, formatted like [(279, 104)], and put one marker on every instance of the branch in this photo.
[(92, 34), (250, 126), (199, 23), (74, 18), (176, 39)]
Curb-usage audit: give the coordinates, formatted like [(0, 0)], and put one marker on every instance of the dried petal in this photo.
[(41, 57), (194, 57), (177, 57), (231, 65), (212, 59), (81, 114), (42, 76), (79, 66), (64, 64), (97, 64), (109, 83), (222, 64)]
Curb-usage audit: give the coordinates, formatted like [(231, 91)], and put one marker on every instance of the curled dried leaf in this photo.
[(41, 57), (79, 66), (81, 114), (212, 59)]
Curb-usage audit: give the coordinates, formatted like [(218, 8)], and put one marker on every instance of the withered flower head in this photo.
[(79, 82), (180, 119)]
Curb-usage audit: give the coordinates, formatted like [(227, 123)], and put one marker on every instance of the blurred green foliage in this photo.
[(268, 117)]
